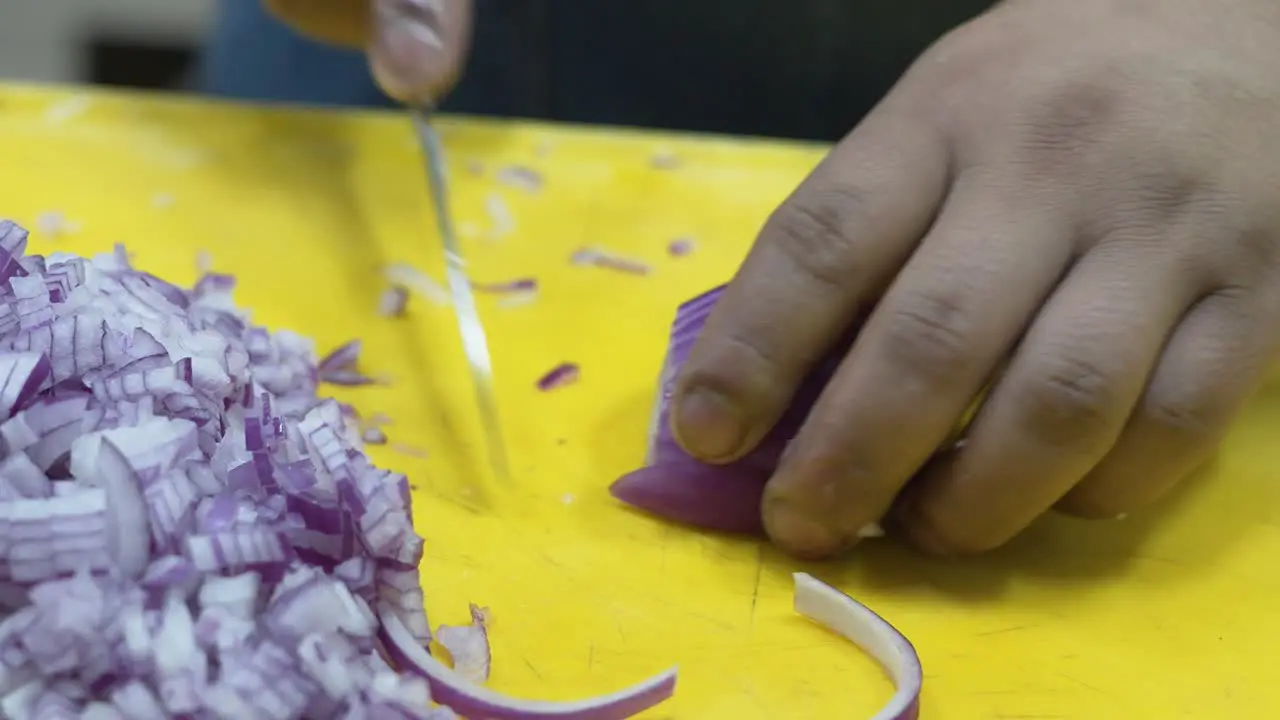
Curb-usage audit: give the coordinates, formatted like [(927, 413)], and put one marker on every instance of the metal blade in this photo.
[(473, 336)]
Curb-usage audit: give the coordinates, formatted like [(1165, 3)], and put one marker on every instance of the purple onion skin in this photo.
[(696, 494), (723, 498)]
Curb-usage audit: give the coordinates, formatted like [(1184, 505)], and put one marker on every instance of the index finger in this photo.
[(417, 47), (822, 257)]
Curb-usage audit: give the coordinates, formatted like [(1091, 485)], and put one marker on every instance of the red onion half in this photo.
[(674, 485)]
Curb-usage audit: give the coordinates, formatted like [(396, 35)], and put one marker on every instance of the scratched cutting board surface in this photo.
[(1167, 614)]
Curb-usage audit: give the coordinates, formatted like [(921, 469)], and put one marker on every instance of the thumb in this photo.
[(417, 47)]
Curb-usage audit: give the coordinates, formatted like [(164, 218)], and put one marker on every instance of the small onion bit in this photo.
[(339, 366), (393, 302), (507, 287), (861, 626), (520, 177), (414, 280), (470, 700), (468, 646), (559, 376), (681, 247), (609, 261)]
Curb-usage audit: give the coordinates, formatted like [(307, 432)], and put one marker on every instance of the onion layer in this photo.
[(861, 626)]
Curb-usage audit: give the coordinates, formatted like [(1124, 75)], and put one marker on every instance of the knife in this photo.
[(474, 342)]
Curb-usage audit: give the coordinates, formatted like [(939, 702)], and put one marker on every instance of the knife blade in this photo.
[(474, 342)]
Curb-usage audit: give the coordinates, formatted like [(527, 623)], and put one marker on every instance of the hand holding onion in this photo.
[(416, 47), (1075, 202)]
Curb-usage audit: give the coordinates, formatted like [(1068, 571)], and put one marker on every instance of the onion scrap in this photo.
[(559, 376), (339, 366), (680, 247), (861, 626), (609, 261), (520, 177), (392, 301)]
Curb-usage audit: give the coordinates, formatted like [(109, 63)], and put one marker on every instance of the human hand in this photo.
[(1088, 192), (416, 47)]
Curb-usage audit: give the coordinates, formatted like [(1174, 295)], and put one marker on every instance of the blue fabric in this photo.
[(253, 56), (802, 68)]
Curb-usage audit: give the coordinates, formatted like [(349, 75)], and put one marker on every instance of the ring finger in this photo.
[(1060, 405)]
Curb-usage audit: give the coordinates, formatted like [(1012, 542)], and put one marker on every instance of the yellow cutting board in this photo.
[(1168, 614)]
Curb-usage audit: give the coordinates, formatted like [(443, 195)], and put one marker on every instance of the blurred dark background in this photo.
[(801, 68)]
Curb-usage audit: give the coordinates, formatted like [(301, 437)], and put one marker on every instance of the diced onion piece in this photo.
[(23, 374), (609, 261), (343, 357), (680, 247), (468, 646), (392, 301), (506, 287), (861, 626), (501, 221), (559, 376), (520, 177), (128, 537), (471, 700), (418, 282)]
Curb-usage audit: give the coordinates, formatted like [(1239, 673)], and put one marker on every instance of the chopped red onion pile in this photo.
[(189, 531), (411, 279)]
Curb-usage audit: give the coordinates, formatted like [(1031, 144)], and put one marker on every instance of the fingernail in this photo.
[(407, 47), (708, 424), (799, 534)]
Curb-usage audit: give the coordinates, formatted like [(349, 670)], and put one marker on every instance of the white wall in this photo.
[(43, 39)]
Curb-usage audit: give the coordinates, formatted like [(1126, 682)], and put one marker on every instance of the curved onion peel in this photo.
[(861, 626), (471, 700)]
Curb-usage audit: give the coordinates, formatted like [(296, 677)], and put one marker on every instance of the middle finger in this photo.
[(925, 353)]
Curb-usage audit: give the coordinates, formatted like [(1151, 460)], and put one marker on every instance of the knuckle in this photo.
[(1069, 116), (1087, 504), (1072, 401), (930, 334), (1189, 416), (812, 232)]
